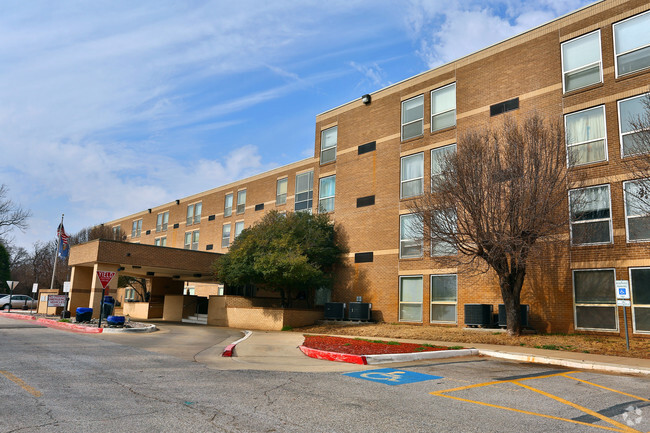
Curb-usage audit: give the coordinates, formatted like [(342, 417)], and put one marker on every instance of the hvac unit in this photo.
[(334, 310), (523, 312), (359, 311), (478, 314)]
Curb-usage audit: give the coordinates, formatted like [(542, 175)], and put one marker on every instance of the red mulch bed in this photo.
[(358, 346)]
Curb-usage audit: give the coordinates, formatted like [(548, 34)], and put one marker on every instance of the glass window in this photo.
[(239, 227), (328, 138), (281, 191), (188, 240), (633, 141), (136, 228), (412, 117), (193, 214), (637, 209), (412, 182), (241, 201), (326, 190), (591, 219), (443, 298), (443, 107), (162, 221), (438, 160), (225, 236), (410, 299), (640, 290), (190, 215), (410, 235), (191, 240), (581, 62), (116, 233), (632, 44), (161, 242), (444, 246), (197, 212), (227, 205), (304, 192), (595, 299), (586, 136)]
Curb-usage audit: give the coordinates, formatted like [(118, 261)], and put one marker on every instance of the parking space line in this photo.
[(604, 387), (21, 383)]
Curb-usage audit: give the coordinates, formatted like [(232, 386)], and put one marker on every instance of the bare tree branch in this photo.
[(11, 215)]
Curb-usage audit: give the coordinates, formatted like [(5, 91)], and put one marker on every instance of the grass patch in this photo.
[(455, 347), (64, 320), (287, 328)]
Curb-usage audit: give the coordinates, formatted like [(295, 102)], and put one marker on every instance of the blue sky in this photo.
[(111, 107)]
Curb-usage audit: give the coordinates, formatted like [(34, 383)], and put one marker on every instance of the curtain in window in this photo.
[(327, 186), (328, 138), (586, 127), (581, 52), (412, 175), (632, 33), (590, 203)]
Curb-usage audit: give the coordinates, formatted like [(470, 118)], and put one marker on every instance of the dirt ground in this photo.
[(598, 344)]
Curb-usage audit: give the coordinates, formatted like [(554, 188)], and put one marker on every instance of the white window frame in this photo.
[(620, 124), (448, 245), (571, 222), (323, 149), (193, 216), (309, 192), (454, 303), (584, 67), (438, 113), (421, 119), (444, 150), (194, 240), (627, 227), (241, 207), (223, 236), (400, 302), (227, 210), (322, 198), (162, 221), (575, 304), (239, 224), (403, 240), (281, 198), (635, 305), (566, 116), (160, 241), (616, 55), (116, 233), (136, 228), (403, 181)]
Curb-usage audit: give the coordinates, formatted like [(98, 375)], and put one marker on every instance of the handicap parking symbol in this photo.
[(390, 376)]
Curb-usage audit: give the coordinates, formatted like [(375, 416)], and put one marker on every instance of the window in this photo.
[(633, 141), (225, 236), (637, 209), (443, 298), (194, 214), (160, 242), (410, 236), (129, 294), (591, 220), (586, 136), (241, 201), (227, 205), (239, 227), (304, 192), (136, 228), (192, 240), (326, 192), (595, 299), (281, 191), (410, 299), (161, 222), (412, 117), (439, 158), (504, 107), (632, 44), (116, 233), (443, 107), (581, 62), (640, 291), (328, 138), (412, 181), (444, 246)]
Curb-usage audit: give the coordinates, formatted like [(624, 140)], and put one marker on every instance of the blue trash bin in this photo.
[(115, 320), (84, 314), (109, 305)]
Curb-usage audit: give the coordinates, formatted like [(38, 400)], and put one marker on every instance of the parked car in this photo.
[(18, 301)]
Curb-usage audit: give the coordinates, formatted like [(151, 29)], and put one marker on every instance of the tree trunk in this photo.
[(511, 285)]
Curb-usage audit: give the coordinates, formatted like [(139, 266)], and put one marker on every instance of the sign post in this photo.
[(623, 300), (66, 290), (34, 290), (12, 285), (105, 278)]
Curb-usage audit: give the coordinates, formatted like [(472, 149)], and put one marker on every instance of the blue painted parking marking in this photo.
[(390, 376)]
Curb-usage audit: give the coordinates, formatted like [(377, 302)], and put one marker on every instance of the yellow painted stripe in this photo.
[(21, 383), (527, 412), (608, 389), (505, 381)]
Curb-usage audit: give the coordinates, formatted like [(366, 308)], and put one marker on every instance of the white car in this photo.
[(18, 301)]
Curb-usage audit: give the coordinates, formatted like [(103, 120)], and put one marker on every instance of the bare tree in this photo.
[(635, 131), (494, 199), (11, 215)]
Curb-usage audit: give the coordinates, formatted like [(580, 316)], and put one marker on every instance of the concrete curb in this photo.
[(73, 327), (227, 351), (405, 357), (333, 356), (148, 328)]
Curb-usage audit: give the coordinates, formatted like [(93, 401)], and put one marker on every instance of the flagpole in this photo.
[(56, 253)]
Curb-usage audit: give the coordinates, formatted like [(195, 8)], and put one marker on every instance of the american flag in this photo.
[(63, 241)]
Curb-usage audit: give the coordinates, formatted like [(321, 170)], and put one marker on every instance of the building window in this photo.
[(304, 192), (225, 236), (632, 44), (632, 140), (281, 191), (582, 62), (328, 138), (412, 180), (410, 299), (136, 228), (444, 246), (160, 242), (443, 107), (410, 236), (640, 291), (239, 227), (412, 117), (129, 294), (586, 136), (439, 158), (591, 218), (241, 201), (191, 240), (116, 233), (637, 209), (443, 298), (194, 214), (161, 222), (595, 299), (326, 192), (227, 205)]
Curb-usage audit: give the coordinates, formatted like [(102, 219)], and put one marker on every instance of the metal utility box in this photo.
[(478, 314)]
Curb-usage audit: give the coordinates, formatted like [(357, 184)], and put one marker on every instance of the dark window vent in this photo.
[(366, 201), (503, 107), (259, 206), (176, 225), (211, 218), (363, 257), (148, 232), (208, 247), (368, 147)]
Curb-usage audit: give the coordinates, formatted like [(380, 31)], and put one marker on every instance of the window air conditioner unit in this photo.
[(523, 312), (359, 311), (334, 310), (478, 314)]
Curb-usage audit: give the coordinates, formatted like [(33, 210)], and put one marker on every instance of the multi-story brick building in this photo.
[(373, 156)]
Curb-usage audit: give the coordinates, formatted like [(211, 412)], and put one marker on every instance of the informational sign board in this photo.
[(34, 287), (66, 287), (623, 303), (622, 289), (56, 301)]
